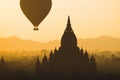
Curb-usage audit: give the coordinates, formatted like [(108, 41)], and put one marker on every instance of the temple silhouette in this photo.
[(68, 62)]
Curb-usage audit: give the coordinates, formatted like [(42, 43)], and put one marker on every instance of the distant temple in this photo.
[(69, 62)]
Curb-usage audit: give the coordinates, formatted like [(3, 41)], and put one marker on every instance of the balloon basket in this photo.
[(35, 29)]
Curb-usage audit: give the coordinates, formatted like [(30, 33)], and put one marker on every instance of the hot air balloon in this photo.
[(36, 10)]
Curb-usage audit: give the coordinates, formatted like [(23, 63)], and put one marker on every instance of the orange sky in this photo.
[(90, 18)]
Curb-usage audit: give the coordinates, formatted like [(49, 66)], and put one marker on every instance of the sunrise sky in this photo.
[(89, 18)]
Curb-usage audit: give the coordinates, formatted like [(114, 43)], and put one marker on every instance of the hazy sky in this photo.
[(89, 18)]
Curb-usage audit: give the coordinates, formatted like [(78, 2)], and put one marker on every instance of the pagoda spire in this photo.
[(69, 39), (68, 28), (69, 20), (37, 61)]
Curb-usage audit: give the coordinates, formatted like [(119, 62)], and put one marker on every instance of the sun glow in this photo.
[(90, 18)]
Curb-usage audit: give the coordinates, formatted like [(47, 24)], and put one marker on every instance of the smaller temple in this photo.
[(69, 62)]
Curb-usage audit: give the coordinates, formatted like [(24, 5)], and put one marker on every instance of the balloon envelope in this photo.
[(35, 10)]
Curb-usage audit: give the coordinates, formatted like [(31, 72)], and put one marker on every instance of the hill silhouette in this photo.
[(100, 43)]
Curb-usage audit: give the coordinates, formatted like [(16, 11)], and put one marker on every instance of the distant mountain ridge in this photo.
[(100, 43)]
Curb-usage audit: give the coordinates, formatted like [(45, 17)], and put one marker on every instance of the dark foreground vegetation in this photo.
[(108, 68)]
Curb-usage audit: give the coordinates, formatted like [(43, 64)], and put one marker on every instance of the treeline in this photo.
[(108, 68)]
